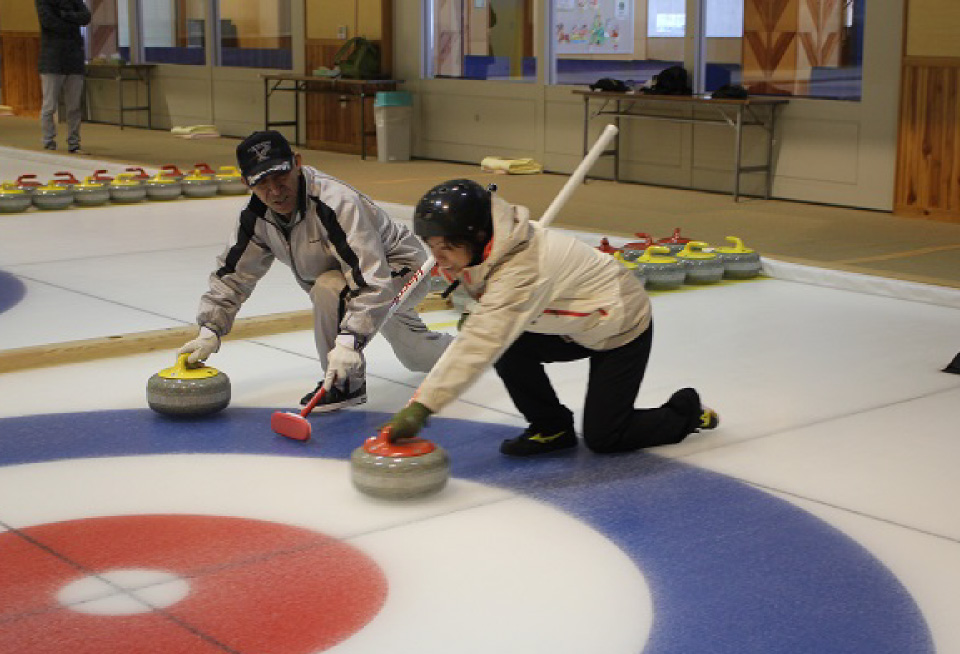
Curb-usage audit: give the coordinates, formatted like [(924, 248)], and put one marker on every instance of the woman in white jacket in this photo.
[(542, 296)]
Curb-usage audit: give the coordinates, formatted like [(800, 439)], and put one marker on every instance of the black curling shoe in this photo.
[(535, 441)]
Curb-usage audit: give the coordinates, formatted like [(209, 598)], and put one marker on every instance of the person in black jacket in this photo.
[(61, 66)]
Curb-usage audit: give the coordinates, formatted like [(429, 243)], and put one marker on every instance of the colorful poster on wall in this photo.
[(593, 26)]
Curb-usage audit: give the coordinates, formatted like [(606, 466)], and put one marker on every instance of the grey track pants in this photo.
[(71, 86), (415, 345)]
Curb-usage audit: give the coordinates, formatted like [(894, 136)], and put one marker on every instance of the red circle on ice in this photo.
[(255, 586)]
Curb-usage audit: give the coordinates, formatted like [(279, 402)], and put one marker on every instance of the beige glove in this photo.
[(345, 364), (206, 343)]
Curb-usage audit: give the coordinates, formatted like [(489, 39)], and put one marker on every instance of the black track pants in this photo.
[(610, 421)]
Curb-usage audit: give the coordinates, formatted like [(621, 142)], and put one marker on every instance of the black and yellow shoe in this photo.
[(709, 419), (687, 401), (535, 441)]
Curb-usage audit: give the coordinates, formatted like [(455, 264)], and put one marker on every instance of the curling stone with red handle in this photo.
[(399, 471), (631, 251), (675, 241)]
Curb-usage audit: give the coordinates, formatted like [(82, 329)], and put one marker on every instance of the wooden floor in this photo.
[(869, 242)]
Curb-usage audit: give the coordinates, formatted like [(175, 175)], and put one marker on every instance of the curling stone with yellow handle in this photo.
[(399, 471), (188, 391), (229, 181), (630, 264), (52, 196), (90, 193), (199, 184), (127, 189), (161, 187), (739, 262), (14, 200), (660, 272), (702, 267)]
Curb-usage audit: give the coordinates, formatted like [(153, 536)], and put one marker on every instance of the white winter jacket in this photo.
[(335, 227), (536, 280)]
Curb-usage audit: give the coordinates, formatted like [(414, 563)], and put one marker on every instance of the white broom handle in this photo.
[(577, 177), (561, 199)]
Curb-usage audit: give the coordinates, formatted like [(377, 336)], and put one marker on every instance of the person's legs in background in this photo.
[(72, 100), (50, 85)]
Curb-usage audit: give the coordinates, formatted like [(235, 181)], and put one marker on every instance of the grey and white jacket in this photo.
[(335, 227), (536, 280)]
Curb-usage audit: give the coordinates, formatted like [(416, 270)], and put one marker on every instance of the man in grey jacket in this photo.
[(61, 67), (543, 296), (344, 251)]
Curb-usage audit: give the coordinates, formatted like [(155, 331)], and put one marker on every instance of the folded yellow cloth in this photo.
[(511, 166), (195, 131)]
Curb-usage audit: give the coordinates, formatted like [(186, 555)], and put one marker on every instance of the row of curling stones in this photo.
[(188, 391), (399, 471), (126, 188), (696, 263)]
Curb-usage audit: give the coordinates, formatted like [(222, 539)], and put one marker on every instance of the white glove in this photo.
[(345, 364), (205, 344)]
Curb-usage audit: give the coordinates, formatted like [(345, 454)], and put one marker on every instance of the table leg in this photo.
[(363, 126), (616, 145), (773, 127), (149, 103), (586, 129), (296, 112), (120, 97), (738, 147), (266, 104)]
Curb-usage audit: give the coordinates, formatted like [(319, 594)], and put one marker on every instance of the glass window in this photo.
[(628, 40), (107, 33), (255, 34), (811, 49), (481, 39), (173, 31)]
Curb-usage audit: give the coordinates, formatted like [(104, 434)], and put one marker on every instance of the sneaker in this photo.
[(687, 401), (52, 145), (76, 150), (534, 441), (336, 398)]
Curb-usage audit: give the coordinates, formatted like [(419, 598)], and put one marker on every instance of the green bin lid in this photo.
[(393, 99)]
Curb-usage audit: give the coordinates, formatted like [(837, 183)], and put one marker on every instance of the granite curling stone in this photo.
[(702, 267), (739, 262), (660, 272), (399, 471), (184, 391)]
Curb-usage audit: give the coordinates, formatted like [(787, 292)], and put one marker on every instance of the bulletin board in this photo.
[(593, 26)]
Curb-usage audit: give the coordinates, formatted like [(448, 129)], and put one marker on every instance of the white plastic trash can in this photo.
[(392, 113)]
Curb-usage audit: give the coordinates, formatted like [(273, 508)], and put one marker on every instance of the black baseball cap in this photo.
[(262, 154)]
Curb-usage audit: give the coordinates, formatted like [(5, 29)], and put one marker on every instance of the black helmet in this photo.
[(459, 209)]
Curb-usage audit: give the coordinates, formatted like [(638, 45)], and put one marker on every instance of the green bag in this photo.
[(358, 59)]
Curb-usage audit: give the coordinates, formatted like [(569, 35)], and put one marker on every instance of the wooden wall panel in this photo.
[(21, 81), (928, 161)]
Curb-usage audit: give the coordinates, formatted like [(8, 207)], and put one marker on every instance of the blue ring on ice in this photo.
[(731, 569)]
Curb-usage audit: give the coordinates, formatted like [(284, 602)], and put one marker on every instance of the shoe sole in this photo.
[(329, 408)]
